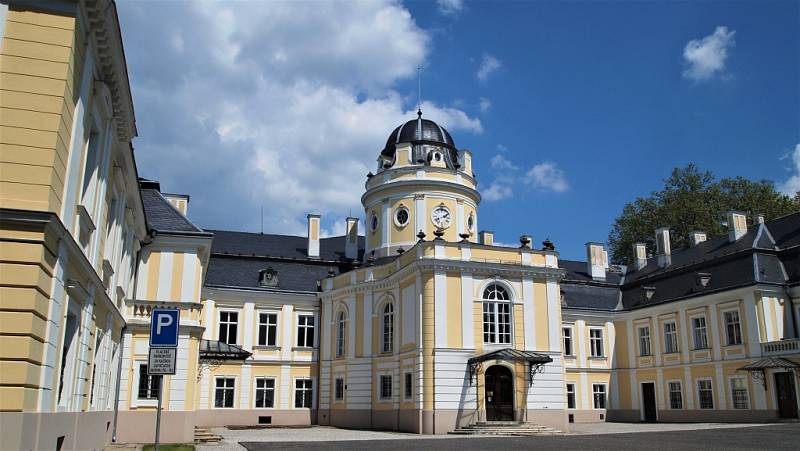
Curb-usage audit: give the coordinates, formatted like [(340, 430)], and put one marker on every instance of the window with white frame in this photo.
[(700, 332), (303, 392), (338, 389), (265, 392), (69, 354), (228, 327), (267, 329), (570, 396), (387, 331), (385, 387), (739, 394), (566, 336), (670, 337), (224, 392), (644, 341), (705, 393), (340, 330), (599, 395), (675, 395), (733, 329), (148, 385), (408, 387), (305, 331), (596, 342), (496, 315)]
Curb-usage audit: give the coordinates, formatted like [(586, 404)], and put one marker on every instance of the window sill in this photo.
[(267, 347), (303, 348), (597, 357), (145, 403)]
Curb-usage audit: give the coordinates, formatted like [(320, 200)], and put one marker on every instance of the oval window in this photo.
[(401, 216), (373, 223)]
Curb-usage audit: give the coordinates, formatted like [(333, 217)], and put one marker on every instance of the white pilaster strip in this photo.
[(553, 320), (581, 335), (660, 389), (714, 332), (351, 328), (367, 324), (245, 383), (753, 340), (528, 309), (287, 322), (189, 283), (209, 308), (460, 218), (684, 335), (586, 392), (419, 213), (249, 318), (164, 278), (719, 393), (656, 336), (688, 387), (285, 386), (326, 330), (440, 308)]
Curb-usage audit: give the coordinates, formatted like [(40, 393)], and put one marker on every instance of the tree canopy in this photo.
[(693, 200)]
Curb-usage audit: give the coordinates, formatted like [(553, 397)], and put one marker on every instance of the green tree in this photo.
[(692, 200)]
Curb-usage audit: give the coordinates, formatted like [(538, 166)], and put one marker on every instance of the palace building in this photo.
[(419, 323)]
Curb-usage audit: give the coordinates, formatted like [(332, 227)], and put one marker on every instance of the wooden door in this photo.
[(649, 401), (787, 397), (499, 392)]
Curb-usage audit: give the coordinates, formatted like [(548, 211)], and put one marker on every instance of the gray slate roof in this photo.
[(281, 246), (163, 217)]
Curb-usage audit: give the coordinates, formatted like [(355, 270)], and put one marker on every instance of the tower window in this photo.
[(373, 222), (401, 216)]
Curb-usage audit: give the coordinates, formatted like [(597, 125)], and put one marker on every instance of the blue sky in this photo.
[(571, 109)]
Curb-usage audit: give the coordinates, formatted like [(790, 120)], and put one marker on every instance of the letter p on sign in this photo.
[(164, 327)]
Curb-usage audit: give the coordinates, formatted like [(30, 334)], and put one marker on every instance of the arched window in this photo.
[(340, 325), (388, 328), (496, 315)]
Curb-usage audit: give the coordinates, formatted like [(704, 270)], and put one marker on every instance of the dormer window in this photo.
[(268, 277), (648, 293), (703, 279)]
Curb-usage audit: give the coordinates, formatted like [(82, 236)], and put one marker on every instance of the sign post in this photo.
[(164, 325)]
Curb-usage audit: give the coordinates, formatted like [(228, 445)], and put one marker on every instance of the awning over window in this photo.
[(757, 369), (216, 350), (535, 360)]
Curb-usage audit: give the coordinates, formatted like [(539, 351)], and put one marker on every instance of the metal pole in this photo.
[(158, 409), (119, 379)]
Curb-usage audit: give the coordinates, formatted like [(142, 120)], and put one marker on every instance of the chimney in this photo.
[(179, 201), (351, 239), (663, 247), (596, 261), (313, 236), (639, 256), (486, 237), (737, 225), (696, 237)]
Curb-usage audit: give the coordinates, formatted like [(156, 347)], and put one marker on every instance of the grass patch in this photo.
[(170, 447)]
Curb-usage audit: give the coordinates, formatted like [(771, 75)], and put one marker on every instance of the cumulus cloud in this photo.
[(488, 66), (450, 7), (547, 176), (792, 185), (497, 191), (706, 57), (484, 104), (283, 105), (500, 162)]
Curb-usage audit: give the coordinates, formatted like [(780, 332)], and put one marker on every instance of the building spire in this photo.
[(419, 91)]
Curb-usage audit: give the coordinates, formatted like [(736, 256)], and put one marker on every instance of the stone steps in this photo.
[(203, 435), (506, 428)]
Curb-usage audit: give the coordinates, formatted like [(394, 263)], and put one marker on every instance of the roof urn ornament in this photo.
[(421, 235), (439, 232)]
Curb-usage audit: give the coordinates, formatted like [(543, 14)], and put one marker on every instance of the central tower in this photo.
[(423, 183)]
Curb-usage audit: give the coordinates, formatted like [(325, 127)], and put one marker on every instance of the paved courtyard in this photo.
[(611, 436)]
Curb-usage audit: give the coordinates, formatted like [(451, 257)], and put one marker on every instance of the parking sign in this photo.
[(164, 328)]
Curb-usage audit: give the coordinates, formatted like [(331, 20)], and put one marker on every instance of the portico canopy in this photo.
[(217, 350), (535, 360), (757, 369)]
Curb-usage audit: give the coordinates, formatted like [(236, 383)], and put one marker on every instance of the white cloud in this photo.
[(497, 191), (792, 185), (500, 162), (706, 57), (283, 105), (547, 176), (484, 104), (489, 65), (450, 7)]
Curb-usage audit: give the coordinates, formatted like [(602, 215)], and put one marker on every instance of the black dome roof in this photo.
[(422, 131)]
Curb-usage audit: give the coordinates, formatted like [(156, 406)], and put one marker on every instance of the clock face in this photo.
[(440, 216)]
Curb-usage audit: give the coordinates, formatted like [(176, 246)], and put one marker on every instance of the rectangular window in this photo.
[(705, 394), (228, 327), (670, 337), (338, 392), (267, 329), (733, 330), (488, 322), (699, 332), (148, 385), (599, 395), (302, 393), (675, 396), (265, 392), (497, 322), (566, 334), (408, 388), (224, 392), (596, 342), (741, 400), (644, 341), (570, 396), (305, 331), (386, 387)]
